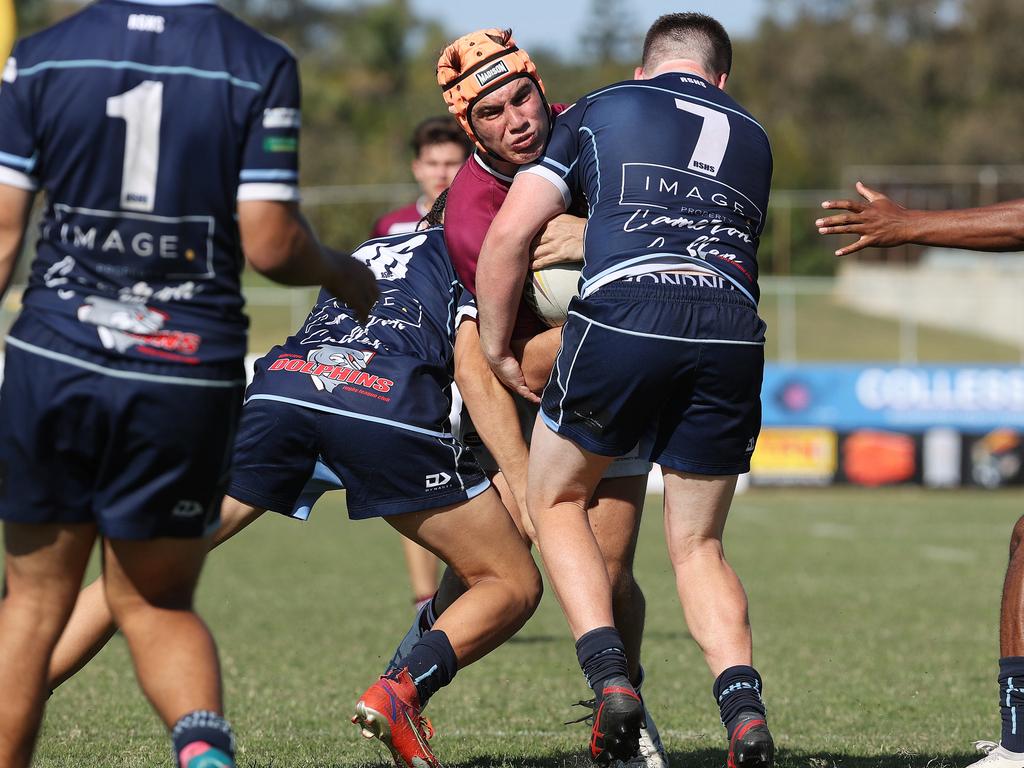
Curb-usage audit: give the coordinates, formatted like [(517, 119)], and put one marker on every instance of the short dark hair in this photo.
[(693, 35), (439, 130)]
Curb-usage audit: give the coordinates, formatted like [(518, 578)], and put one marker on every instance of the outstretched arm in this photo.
[(881, 223), (501, 272), (279, 243)]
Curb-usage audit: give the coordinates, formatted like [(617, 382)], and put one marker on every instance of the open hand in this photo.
[(879, 221)]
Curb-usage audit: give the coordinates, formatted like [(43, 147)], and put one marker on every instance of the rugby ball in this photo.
[(549, 291)]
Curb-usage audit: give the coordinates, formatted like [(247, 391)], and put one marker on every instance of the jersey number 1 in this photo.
[(713, 140), (141, 108)]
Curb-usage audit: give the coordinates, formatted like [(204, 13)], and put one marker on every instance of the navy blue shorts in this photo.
[(289, 452), (134, 447), (677, 369)]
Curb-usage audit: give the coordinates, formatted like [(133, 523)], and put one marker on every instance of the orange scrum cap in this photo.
[(478, 64)]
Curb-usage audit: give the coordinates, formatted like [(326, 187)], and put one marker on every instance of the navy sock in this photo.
[(738, 690), (1011, 702), (431, 664), (202, 725), (429, 616), (602, 655)]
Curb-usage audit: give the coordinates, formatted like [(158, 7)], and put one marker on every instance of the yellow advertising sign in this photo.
[(8, 28), (795, 455)]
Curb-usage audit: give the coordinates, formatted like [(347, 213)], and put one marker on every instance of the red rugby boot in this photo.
[(390, 711)]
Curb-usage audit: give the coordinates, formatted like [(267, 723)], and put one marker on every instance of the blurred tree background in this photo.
[(835, 83)]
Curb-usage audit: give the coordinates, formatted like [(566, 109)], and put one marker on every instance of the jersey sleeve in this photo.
[(466, 307), (18, 146), (270, 159), (560, 165)]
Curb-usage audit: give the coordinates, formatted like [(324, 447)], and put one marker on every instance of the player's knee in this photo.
[(686, 548), (38, 611), (1017, 537), (126, 602), (524, 595)]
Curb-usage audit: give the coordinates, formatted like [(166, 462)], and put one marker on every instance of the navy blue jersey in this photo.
[(675, 172), (396, 368), (144, 122)]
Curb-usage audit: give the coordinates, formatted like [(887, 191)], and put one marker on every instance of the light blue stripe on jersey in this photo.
[(558, 165), (352, 415), (137, 66), (118, 373), (597, 169), (268, 175), (24, 163)]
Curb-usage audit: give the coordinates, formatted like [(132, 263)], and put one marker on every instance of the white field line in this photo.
[(948, 554)]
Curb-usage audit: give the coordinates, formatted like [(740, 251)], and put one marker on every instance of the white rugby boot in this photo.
[(997, 756), (652, 752)]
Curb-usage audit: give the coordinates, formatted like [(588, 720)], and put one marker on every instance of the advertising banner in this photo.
[(892, 397)]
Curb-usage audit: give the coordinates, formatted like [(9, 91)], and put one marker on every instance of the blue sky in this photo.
[(556, 23)]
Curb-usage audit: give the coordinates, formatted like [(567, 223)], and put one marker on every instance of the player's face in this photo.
[(513, 121), (436, 167)]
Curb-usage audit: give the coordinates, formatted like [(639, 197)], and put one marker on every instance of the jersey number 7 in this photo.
[(713, 140)]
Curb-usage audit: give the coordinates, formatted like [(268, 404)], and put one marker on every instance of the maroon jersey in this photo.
[(474, 199), (400, 221)]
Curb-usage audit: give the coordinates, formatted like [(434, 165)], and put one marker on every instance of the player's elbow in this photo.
[(271, 233)]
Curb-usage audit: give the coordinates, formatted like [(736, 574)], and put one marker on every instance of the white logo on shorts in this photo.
[(437, 480), (187, 508)]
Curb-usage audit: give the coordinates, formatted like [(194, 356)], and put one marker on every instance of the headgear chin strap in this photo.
[(478, 64)]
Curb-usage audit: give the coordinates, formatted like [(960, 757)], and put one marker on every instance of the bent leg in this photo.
[(91, 624), (614, 516), (483, 549), (713, 600), (43, 565)]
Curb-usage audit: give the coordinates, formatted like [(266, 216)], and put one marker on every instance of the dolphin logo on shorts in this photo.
[(337, 357)]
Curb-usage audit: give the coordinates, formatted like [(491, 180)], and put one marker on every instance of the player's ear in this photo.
[(721, 80), (638, 74)]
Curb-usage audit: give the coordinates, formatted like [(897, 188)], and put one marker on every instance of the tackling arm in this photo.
[(501, 272), (537, 356), (492, 409), (15, 205), (560, 241), (881, 223), (279, 243)]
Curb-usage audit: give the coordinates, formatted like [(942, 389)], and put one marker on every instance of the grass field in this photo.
[(874, 616)]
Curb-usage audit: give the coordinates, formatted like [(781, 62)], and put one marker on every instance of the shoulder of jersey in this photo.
[(267, 42)]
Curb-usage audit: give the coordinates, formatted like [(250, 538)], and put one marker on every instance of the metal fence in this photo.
[(808, 319)]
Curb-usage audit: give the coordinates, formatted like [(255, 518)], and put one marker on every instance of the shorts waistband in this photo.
[(644, 291)]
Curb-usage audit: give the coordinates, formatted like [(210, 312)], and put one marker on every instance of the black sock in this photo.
[(429, 616), (1011, 702), (738, 690), (202, 725), (431, 664), (602, 655)]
